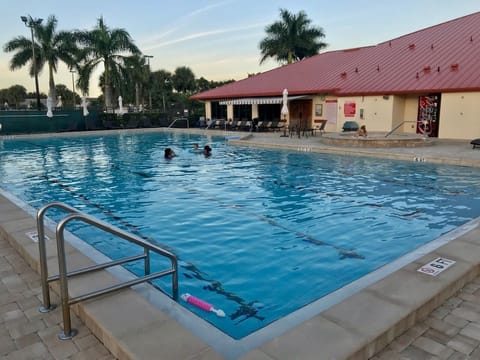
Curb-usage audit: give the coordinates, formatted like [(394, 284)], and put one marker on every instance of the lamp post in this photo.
[(32, 23), (165, 83), (148, 57), (73, 71)]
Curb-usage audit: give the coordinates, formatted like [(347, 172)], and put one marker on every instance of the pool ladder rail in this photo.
[(63, 275)]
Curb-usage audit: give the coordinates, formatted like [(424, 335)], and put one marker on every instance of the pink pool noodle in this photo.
[(199, 303), (202, 304)]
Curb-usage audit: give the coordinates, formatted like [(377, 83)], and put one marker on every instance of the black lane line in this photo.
[(244, 309)]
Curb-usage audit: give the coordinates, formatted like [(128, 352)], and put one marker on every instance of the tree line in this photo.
[(126, 71)]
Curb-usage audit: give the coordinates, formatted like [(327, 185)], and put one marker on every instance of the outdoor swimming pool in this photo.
[(259, 233)]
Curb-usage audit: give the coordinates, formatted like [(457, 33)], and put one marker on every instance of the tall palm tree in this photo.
[(137, 72), (184, 80), (291, 38), (50, 47), (106, 46), (161, 88)]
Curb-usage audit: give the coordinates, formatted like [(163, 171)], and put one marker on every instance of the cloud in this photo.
[(198, 35), (186, 18)]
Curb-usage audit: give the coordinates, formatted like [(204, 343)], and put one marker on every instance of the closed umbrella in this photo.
[(84, 106), (50, 103), (284, 111)]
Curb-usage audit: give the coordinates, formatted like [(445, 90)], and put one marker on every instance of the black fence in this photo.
[(32, 122)]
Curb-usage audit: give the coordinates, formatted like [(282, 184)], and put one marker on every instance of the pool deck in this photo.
[(404, 315)]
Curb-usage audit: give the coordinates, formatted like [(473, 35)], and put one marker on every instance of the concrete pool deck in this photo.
[(390, 316)]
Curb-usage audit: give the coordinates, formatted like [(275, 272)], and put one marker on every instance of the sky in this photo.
[(218, 39)]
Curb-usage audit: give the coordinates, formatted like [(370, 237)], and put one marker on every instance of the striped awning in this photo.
[(259, 100)]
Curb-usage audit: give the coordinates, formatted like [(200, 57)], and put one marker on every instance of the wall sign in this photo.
[(349, 109), (436, 266)]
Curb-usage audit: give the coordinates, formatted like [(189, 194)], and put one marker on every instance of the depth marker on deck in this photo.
[(436, 266)]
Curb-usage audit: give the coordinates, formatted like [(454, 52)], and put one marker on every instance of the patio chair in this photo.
[(220, 124), (241, 124), (275, 126), (321, 127), (211, 124), (475, 143), (264, 125)]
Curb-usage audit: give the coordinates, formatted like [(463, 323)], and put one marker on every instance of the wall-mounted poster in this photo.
[(318, 109), (349, 109)]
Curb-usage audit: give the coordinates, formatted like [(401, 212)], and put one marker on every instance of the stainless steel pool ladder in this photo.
[(66, 301)]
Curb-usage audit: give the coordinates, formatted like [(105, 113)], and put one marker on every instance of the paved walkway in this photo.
[(25, 333), (451, 332)]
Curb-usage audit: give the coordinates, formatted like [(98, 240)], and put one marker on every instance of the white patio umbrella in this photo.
[(50, 103), (84, 105), (284, 111)]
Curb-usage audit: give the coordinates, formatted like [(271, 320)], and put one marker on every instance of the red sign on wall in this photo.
[(349, 109)]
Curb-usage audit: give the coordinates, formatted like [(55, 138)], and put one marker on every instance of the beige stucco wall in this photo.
[(208, 110), (459, 113), (398, 111), (377, 112), (410, 114), (460, 116), (254, 111), (229, 112)]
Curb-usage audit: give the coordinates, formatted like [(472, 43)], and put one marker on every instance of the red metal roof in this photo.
[(441, 58)]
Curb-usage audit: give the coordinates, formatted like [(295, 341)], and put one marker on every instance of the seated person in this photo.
[(362, 131), (207, 151), (169, 153)]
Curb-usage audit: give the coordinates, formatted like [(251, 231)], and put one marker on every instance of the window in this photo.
[(269, 112), (218, 111), (242, 112)]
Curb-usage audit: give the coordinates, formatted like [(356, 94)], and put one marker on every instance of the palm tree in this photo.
[(161, 88), (50, 47), (104, 46), (291, 38), (184, 80), (137, 72)]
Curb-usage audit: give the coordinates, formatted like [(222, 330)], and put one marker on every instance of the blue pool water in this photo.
[(259, 233)]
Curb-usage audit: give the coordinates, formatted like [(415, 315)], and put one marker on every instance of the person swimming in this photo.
[(196, 149), (207, 151), (169, 153)]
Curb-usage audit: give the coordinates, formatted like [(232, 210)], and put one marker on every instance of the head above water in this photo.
[(207, 150), (169, 153)]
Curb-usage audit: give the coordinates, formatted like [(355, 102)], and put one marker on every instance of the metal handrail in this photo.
[(68, 332), (46, 306), (396, 127), (177, 119)]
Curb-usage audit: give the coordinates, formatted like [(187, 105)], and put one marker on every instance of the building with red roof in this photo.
[(424, 82)]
